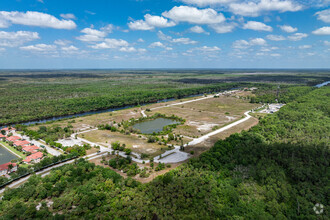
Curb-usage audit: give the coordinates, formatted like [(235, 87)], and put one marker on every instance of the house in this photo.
[(13, 138), (21, 143), (4, 168), (34, 158), (32, 149), (8, 130)]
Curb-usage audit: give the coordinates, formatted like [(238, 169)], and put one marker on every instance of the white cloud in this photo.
[(156, 44), (206, 49), (165, 37), (305, 47), (257, 26), (257, 41), (297, 36), (128, 49), (158, 21), (32, 18), (68, 16), (150, 22), (62, 42), (184, 41), (243, 44), (223, 28), (197, 29), (69, 49), (275, 37), (4, 24), (13, 39), (202, 3), (93, 35), (140, 25), (140, 40), (327, 43), (39, 48), (194, 15), (288, 28), (275, 55), (323, 15), (254, 9), (111, 44), (322, 31)]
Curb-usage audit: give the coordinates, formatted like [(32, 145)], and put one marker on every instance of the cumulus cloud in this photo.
[(275, 37), (322, 31), (323, 15), (297, 36), (182, 40), (257, 26), (205, 49), (223, 28), (13, 39), (111, 44), (254, 9), (327, 43), (194, 15), (197, 29), (288, 28), (243, 44), (62, 42), (32, 18), (156, 44), (39, 48), (93, 35), (150, 22)]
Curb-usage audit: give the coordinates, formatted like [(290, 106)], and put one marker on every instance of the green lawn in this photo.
[(13, 149)]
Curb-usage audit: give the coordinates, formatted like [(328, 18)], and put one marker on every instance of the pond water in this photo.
[(155, 125), (322, 84), (6, 156)]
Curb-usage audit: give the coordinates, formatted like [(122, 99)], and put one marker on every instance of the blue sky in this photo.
[(164, 34)]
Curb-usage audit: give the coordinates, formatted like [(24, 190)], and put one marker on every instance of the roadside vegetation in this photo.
[(276, 170)]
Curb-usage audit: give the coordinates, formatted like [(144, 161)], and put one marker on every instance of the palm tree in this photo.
[(10, 167)]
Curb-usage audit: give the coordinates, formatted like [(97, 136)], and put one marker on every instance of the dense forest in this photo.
[(27, 96), (279, 169)]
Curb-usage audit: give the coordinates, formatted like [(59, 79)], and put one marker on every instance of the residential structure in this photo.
[(4, 168), (21, 143), (32, 149), (34, 158), (2, 137), (8, 130), (13, 138)]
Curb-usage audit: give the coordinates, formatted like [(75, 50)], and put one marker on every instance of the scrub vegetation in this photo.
[(276, 170)]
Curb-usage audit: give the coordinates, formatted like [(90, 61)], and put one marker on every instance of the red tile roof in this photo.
[(5, 166), (13, 138), (8, 129), (21, 143), (34, 156), (2, 136), (32, 149)]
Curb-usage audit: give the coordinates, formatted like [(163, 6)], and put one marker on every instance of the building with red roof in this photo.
[(8, 130), (32, 149), (21, 143), (13, 138), (4, 168), (34, 158)]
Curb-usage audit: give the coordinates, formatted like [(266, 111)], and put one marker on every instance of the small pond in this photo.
[(155, 125), (6, 156)]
